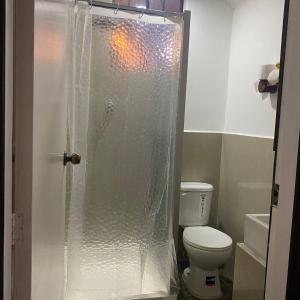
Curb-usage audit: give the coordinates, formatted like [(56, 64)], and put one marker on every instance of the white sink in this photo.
[(256, 233)]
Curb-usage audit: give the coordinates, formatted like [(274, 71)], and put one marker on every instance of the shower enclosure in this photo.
[(108, 84), (123, 120)]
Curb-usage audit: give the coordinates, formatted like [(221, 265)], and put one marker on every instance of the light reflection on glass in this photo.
[(125, 49), (133, 51), (49, 45)]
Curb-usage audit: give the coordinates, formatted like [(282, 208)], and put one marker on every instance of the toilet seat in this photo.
[(206, 238)]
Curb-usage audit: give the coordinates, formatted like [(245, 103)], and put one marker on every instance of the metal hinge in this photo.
[(17, 228), (275, 194)]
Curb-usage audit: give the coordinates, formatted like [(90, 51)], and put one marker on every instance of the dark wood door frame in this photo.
[(282, 65), (292, 288), (278, 111), (292, 291), (2, 137)]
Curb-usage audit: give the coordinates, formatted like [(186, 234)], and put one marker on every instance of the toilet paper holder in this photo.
[(265, 87), (269, 79)]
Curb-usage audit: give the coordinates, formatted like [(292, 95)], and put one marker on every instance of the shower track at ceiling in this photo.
[(164, 14)]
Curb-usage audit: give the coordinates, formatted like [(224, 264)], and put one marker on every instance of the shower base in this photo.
[(116, 276)]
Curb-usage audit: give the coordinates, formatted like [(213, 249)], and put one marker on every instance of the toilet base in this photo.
[(202, 284)]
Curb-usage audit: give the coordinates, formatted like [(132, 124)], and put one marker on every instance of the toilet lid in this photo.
[(206, 237), (196, 187)]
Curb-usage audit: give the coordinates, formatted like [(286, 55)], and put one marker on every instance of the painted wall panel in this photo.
[(245, 184), (208, 64), (228, 45), (255, 41)]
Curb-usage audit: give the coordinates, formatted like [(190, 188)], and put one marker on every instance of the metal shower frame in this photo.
[(148, 11)]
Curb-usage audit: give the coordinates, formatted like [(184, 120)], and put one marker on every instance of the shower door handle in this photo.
[(73, 158)]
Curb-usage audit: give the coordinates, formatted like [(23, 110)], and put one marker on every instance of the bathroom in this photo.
[(163, 114)]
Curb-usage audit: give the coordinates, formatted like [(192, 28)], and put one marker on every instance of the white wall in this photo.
[(255, 41), (227, 47), (208, 64)]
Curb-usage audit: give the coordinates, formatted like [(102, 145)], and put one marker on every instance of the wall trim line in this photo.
[(231, 133)]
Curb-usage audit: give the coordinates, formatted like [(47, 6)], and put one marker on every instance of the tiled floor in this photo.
[(226, 289)]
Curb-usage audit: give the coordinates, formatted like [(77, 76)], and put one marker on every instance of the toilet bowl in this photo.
[(207, 247)]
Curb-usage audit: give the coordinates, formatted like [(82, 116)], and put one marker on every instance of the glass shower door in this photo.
[(119, 241)]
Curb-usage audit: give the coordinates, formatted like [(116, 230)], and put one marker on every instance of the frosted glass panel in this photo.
[(120, 242)]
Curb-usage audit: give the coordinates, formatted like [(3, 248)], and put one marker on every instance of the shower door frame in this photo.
[(180, 122)]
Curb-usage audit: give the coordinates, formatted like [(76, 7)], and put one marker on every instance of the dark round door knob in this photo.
[(73, 158)]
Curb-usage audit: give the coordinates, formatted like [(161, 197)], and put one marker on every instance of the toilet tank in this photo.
[(195, 203)]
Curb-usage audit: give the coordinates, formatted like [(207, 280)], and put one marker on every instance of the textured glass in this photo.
[(119, 233)]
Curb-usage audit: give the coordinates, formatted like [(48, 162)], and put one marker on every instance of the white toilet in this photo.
[(207, 248)]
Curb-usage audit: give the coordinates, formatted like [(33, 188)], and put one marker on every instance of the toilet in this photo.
[(207, 248)]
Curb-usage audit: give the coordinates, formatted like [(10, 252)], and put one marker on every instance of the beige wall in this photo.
[(201, 161), (249, 275), (245, 184), (240, 168)]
